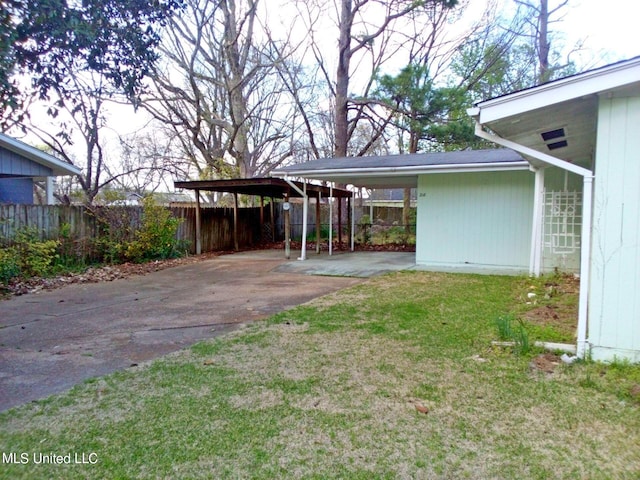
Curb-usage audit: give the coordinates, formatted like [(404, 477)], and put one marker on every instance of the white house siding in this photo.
[(614, 299), (475, 221)]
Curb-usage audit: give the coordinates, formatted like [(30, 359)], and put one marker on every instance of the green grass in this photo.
[(329, 390)]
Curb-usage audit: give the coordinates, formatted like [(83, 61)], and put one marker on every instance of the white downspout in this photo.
[(303, 193), (585, 265), (535, 259), (587, 207)]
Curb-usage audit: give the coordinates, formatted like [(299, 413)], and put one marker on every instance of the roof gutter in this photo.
[(409, 170), (587, 208)]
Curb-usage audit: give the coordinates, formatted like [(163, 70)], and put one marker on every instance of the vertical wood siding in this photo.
[(614, 303), (478, 220)]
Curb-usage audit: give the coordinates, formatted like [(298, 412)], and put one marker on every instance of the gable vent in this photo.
[(555, 138), (553, 134), (556, 145)]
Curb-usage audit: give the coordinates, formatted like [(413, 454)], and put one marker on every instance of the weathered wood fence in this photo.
[(80, 222)]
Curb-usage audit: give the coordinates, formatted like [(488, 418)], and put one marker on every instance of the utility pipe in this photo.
[(585, 233)]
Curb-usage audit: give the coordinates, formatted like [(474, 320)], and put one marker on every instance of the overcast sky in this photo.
[(609, 27)]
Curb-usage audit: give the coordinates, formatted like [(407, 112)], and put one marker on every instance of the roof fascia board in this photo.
[(38, 156), (410, 170), (588, 83)]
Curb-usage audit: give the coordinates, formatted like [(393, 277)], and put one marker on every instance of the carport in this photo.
[(275, 189)]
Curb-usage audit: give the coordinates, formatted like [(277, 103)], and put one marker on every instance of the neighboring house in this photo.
[(21, 165), (568, 199)]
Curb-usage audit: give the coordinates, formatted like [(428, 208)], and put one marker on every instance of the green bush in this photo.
[(9, 264), (26, 255), (35, 256), (156, 238)]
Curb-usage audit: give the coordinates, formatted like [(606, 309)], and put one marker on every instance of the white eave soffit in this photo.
[(578, 86)]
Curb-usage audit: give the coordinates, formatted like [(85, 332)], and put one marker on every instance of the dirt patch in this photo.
[(545, 363), (553, 302)]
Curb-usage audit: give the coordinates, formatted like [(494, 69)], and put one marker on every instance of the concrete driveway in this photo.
[(50, 341)]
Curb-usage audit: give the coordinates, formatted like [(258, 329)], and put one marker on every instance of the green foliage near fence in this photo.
[(27, 256), (116, 239)]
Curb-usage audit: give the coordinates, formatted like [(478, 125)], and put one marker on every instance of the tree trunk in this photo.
[(543, 43), (342, 80)]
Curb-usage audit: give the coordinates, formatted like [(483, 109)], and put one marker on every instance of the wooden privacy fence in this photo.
[(80, 222)]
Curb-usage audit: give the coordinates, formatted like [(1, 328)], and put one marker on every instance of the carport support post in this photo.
[(287, 229), (340, 221), (198, 225), (352, 224), (261, 217), (331, 218), (318, 222), (235, 221), (305, 213), (273, 219)]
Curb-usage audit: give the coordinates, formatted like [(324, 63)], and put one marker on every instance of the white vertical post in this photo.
[(305, 206), (318, 222), (330, 218), (353, 219), (535, 259), (50, 187), (198, 224), (585, 265)]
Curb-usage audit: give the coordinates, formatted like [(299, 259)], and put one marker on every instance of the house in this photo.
[(21, 165), (586, 126), (563, 193), (473, 206)]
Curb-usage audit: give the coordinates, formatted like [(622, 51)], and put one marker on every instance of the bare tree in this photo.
[(81, 118), (537, 18), (219, 91), (147, 162), (365, 30)]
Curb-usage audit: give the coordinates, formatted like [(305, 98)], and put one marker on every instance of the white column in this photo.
[(50, 188), (331, 218), (535, 259)]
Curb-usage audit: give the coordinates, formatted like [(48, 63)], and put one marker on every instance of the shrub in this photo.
[(9, 264), (156, 238), (35, 256), (26, 255)]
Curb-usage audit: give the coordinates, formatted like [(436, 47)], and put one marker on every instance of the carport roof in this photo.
[(264, 187), (398, 171)]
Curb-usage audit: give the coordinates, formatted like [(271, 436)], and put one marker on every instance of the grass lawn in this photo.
[(394, 378)]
